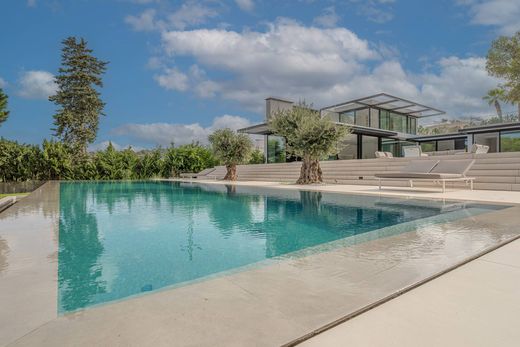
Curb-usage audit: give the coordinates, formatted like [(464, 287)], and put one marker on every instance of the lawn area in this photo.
[(13, 194)]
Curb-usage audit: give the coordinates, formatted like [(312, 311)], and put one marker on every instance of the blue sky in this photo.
[(180, 69)]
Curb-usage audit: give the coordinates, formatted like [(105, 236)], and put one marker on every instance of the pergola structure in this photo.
[(386, 102)]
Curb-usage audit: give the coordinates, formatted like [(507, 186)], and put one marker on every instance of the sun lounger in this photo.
[(436, 171), (203, 173)]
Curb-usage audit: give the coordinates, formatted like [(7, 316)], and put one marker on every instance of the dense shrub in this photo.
[(187, 158), (56, 161), (257, 157)]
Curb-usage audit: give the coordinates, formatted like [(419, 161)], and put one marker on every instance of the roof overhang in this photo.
[(450, 136), (257, 129), (263, 129), (357, 129), (387, 102), (491, 127)]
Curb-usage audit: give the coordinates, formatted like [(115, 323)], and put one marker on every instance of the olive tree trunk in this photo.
[(310, 171), (231, 174)]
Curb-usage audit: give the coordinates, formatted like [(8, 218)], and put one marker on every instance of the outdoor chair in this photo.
[(413, 152), (384, 154), (436, 171), (203, 174), (478, 149)]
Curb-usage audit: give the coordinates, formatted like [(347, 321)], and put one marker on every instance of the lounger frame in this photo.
[(441, 181)]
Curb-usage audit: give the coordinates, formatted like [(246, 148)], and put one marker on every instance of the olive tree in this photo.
[(503, 61), (231, 149), (309, 136)]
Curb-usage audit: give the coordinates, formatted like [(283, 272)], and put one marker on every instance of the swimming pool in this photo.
[(118, 239)]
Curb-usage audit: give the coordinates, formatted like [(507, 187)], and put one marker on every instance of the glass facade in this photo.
[(488, 139), (276, 149), (369, 146), (349, 148), (347, 117), (395, 146), (362, 117), (430, 146), (397, 122), (510, 141)]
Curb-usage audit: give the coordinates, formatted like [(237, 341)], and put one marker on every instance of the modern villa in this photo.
[(388, 123)]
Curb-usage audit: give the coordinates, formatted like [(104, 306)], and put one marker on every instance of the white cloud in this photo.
[(173, 79), (502, 14), (37, 84), (189, 14), (378, 11), (245, 5), (166, 133), (328, 18), (144, 22), (31, 3), (3, 83), (459, 87), (320, 65)]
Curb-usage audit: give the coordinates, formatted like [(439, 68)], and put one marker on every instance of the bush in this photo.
[(257, 157), (57, 161)]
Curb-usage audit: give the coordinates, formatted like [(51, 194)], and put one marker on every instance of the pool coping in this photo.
[(400, 292), (396, 192), (375, 303)]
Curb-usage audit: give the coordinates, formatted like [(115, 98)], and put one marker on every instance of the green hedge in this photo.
[(54, 160)]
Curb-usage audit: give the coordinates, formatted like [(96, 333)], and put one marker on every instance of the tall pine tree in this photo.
[(3, 107), (77, 118)]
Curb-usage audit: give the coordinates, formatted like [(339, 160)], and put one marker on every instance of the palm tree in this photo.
[(493, 97), (3, 107)]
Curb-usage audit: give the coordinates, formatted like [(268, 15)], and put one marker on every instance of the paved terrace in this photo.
[(280, 302)]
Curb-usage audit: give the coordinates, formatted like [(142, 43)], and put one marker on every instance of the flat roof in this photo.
[(263, 129), (487, 127), (433, 137), (257, 129), (387, 102)]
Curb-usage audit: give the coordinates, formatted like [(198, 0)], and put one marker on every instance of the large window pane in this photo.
[(428, 146), (369, 146), (445, 145), (374, 118), (349, 149), (333, 116), (276, 149), (398, 123), (488, 139), (510, 141), (392, 146), (362, 117), (384, 120), (461, 143), (413, 125), (347, 117)]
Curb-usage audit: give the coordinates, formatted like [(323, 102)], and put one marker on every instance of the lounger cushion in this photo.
[(418, 175), (421, 166), (453, 166)]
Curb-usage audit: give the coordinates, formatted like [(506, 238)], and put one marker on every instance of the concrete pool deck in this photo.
[(264, 306)]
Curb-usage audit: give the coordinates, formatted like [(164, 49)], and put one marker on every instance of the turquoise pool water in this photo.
[(118, 239)]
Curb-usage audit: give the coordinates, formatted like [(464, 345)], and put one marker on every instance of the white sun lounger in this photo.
[(436, 171), (203, 173)]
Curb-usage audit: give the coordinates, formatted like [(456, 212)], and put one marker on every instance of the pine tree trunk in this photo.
[(310, 172), (231, 174)]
